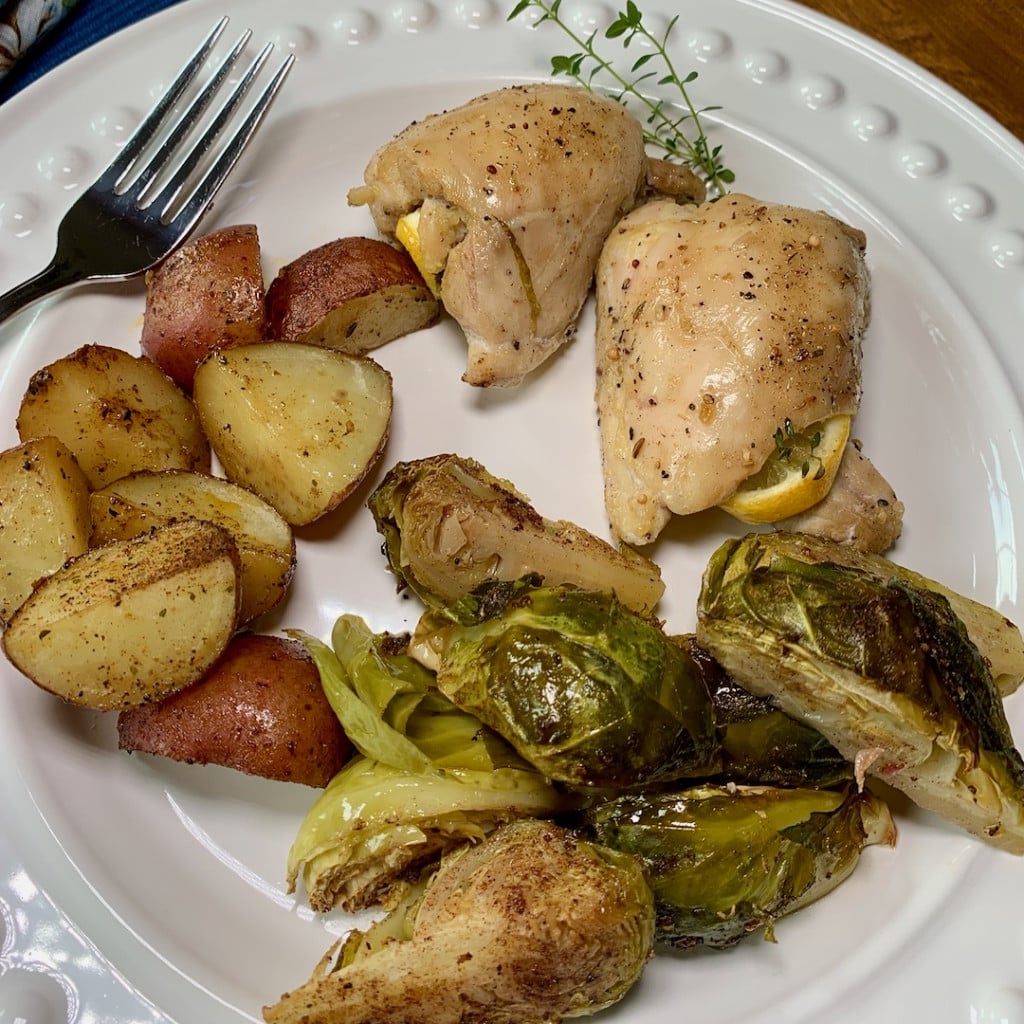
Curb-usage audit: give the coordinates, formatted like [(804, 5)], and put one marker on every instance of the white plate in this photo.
[(168, 879)]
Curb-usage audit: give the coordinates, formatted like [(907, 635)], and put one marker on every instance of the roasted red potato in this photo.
[(116, 412), (135, 504), (260, 710), (44, 516), (298, 424), (132, 621), (207, 295), (353, 294)]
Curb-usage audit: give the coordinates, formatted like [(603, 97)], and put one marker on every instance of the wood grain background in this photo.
[(976, 46)]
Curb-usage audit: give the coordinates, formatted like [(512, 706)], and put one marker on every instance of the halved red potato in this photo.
[(260, 709), (352, 294), (131, 621), (209, 294), (298, 424), (44, 516), (266, 546), (117, 413)]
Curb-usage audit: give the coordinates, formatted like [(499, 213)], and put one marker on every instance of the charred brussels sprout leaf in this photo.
[(727, 861), (449, 526), (998, 640), (879, 663), (587, 691)]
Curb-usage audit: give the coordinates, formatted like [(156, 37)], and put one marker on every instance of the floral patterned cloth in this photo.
[(22, 22)]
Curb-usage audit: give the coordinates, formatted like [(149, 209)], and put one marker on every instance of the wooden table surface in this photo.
[(976, 46)]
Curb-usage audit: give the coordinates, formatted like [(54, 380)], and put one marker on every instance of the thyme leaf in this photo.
[(678, 131), (786, 437)]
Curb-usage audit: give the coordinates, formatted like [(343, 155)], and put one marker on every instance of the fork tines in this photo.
[(149, 185)]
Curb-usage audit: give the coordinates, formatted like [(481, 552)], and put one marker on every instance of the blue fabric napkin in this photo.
[(37, 35)]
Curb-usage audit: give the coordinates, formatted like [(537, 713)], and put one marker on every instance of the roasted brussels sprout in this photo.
[(375, 826), (761, 745), (880, 664), (531, 925), (430, 776), (449, 526), (584, 689), (725, 861)]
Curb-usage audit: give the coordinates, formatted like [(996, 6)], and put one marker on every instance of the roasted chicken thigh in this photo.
[(716, 324), (514, 194)]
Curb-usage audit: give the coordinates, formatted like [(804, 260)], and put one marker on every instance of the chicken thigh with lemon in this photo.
[(729, 359), (504, 203)]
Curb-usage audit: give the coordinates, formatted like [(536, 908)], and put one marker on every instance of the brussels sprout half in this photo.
[(375, 827), (532, 924), (584, 689), (876, 661), (725, 861), (449, 526)]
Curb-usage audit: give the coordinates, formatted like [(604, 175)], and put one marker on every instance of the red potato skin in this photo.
[(311, 291), (260, 710), (208, 295)]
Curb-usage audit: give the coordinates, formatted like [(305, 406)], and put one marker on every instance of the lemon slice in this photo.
[(407, 231), (796, 476)]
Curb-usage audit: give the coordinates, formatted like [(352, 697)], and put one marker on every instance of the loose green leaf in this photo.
[(369, 733)]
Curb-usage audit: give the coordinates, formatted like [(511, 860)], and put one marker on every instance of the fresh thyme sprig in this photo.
[(786, 437), (665, 129)]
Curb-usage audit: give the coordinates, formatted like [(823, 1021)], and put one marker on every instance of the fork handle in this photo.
[(50, 279)]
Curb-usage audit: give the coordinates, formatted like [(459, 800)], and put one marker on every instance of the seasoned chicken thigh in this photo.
[(717, 324), (514, 194)]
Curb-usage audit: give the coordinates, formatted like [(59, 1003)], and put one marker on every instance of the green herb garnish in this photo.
[(665, 128), (786, 437)]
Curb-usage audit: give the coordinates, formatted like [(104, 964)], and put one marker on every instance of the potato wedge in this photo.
[(298, 424), (209, 294), (353, 294), (131, 621), (266, 546), (44, 516), (117, 413), (260, 709)]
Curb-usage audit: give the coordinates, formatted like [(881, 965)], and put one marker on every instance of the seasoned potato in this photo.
[(209, 294), (131, 621), (352, 294), (44, 516), (117, 413), (260, 709), (266, 546), (298, 424)]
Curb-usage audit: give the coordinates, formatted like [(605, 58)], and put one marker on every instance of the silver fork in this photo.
[(124, 224)]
